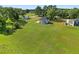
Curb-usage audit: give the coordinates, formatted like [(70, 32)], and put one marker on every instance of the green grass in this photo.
[(40, 39)]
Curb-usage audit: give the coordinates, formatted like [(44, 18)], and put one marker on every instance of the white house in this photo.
[(72, 22)]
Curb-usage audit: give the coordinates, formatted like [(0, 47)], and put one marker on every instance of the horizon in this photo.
[(34, 6)]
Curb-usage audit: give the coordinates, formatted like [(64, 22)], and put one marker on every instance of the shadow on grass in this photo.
[(8, 32), (50, 22)]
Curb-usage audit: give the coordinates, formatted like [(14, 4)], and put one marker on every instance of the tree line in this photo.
[(56, 14), (11, 19)]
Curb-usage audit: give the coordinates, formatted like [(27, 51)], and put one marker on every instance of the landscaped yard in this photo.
[(41, 38)]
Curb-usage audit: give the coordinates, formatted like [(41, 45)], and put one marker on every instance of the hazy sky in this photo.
[(34, 6)]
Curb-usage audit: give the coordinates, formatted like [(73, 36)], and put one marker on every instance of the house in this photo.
[(44, 20), (72, 22), (76, 23), (26, 17)]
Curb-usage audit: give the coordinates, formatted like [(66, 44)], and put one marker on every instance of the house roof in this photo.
[(70, 19)]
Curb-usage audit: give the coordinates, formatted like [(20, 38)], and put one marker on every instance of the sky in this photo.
[(34, 6)]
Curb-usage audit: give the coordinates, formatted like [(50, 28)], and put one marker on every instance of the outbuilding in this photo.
[(44, 20)]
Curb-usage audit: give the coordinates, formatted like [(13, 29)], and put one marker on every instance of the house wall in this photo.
[(44, 20), (76, 23), (70, 22)]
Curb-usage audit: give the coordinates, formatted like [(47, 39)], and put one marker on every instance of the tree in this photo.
[(73, 13), (51, 12), (9, 26), (38, 11), (9, 18), (27, 11), (44, 10)]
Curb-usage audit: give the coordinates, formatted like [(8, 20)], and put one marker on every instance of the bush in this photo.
[(17, 26)]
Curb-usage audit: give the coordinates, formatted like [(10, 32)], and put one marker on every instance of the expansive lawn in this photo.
[(41, 38)]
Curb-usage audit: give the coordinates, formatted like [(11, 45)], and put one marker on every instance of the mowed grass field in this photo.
[(41, 39)]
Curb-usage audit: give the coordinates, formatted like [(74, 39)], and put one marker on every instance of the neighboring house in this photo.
[(44, 20), (72, 22), (76, 23), (26, 17)]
